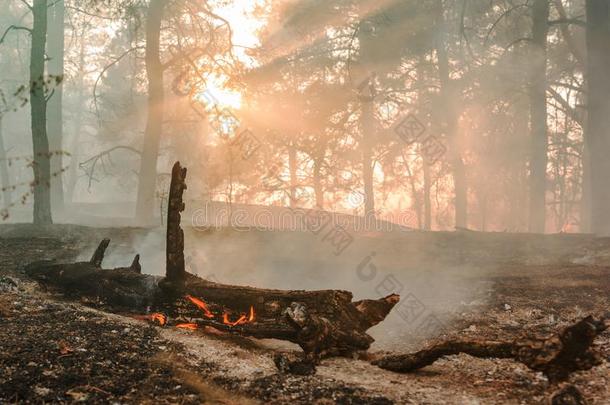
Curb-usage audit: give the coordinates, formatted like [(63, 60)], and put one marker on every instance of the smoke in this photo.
[(433, 289)]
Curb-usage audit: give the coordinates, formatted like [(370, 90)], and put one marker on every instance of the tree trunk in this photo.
[(4, 174), (449, 98), (55, 52), (38, 103), (538, 117), (585, 199), (292, 167), (367, 116), (174, 263), (367, 121), (598, 104), (423, 98), (417, 198), (77, 125), (427, 197), (317, 183), (147, 178)]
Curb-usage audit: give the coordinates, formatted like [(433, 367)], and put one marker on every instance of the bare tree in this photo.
[(449, 98), (598, 104), (55, 68), (38, 103), (154, 122), (538, 116)]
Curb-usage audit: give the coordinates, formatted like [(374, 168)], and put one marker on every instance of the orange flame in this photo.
[(159, 318), (189, 326), (241, 320), (201, 305), (226, 321)]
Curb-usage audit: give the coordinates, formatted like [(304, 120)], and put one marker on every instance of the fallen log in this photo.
[(556, 356), (323, 323)]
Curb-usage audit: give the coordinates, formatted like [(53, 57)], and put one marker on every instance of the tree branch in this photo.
[(13, 27)]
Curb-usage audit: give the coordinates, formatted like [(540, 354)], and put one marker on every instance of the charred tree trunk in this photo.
[(538, 116), (147, 178), (557, 356), (598, 104), (38, 104), (175, 272), (55, 50), (323, 323)]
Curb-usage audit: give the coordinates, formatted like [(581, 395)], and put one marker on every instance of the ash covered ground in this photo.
[(493, 286)]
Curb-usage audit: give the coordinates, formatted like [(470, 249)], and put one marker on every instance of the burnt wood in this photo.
[(556, 356), (324, 323)]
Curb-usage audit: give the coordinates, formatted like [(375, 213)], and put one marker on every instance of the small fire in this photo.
[(252, 317), (159, 318), (189, 326), (156, 318), (226, 321), (201, 305), (241, 320)]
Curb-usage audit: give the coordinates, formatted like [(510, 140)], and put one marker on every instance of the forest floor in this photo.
[(56, 351)]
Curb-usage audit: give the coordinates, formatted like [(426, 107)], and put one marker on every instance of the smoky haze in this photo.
[(428, 116)]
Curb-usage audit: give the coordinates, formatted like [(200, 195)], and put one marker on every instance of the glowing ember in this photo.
[(225, 319), (201, 305), (241, 320), (157, 317), (189, 326)]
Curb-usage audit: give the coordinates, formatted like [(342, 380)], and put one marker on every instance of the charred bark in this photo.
[(175, 272), (122, 287), (556, 357)]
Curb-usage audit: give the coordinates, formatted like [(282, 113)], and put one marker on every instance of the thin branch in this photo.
[(99, 77), (97, 158), (13, 27), (31, 8), (573, 21)]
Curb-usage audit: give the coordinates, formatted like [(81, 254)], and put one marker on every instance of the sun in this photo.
[(217, 95), (240, 15)]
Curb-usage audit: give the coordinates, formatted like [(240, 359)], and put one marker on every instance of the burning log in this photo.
[(556, 356), (324, 323)]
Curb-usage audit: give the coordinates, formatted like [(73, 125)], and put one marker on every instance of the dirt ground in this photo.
[(56, 351)]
